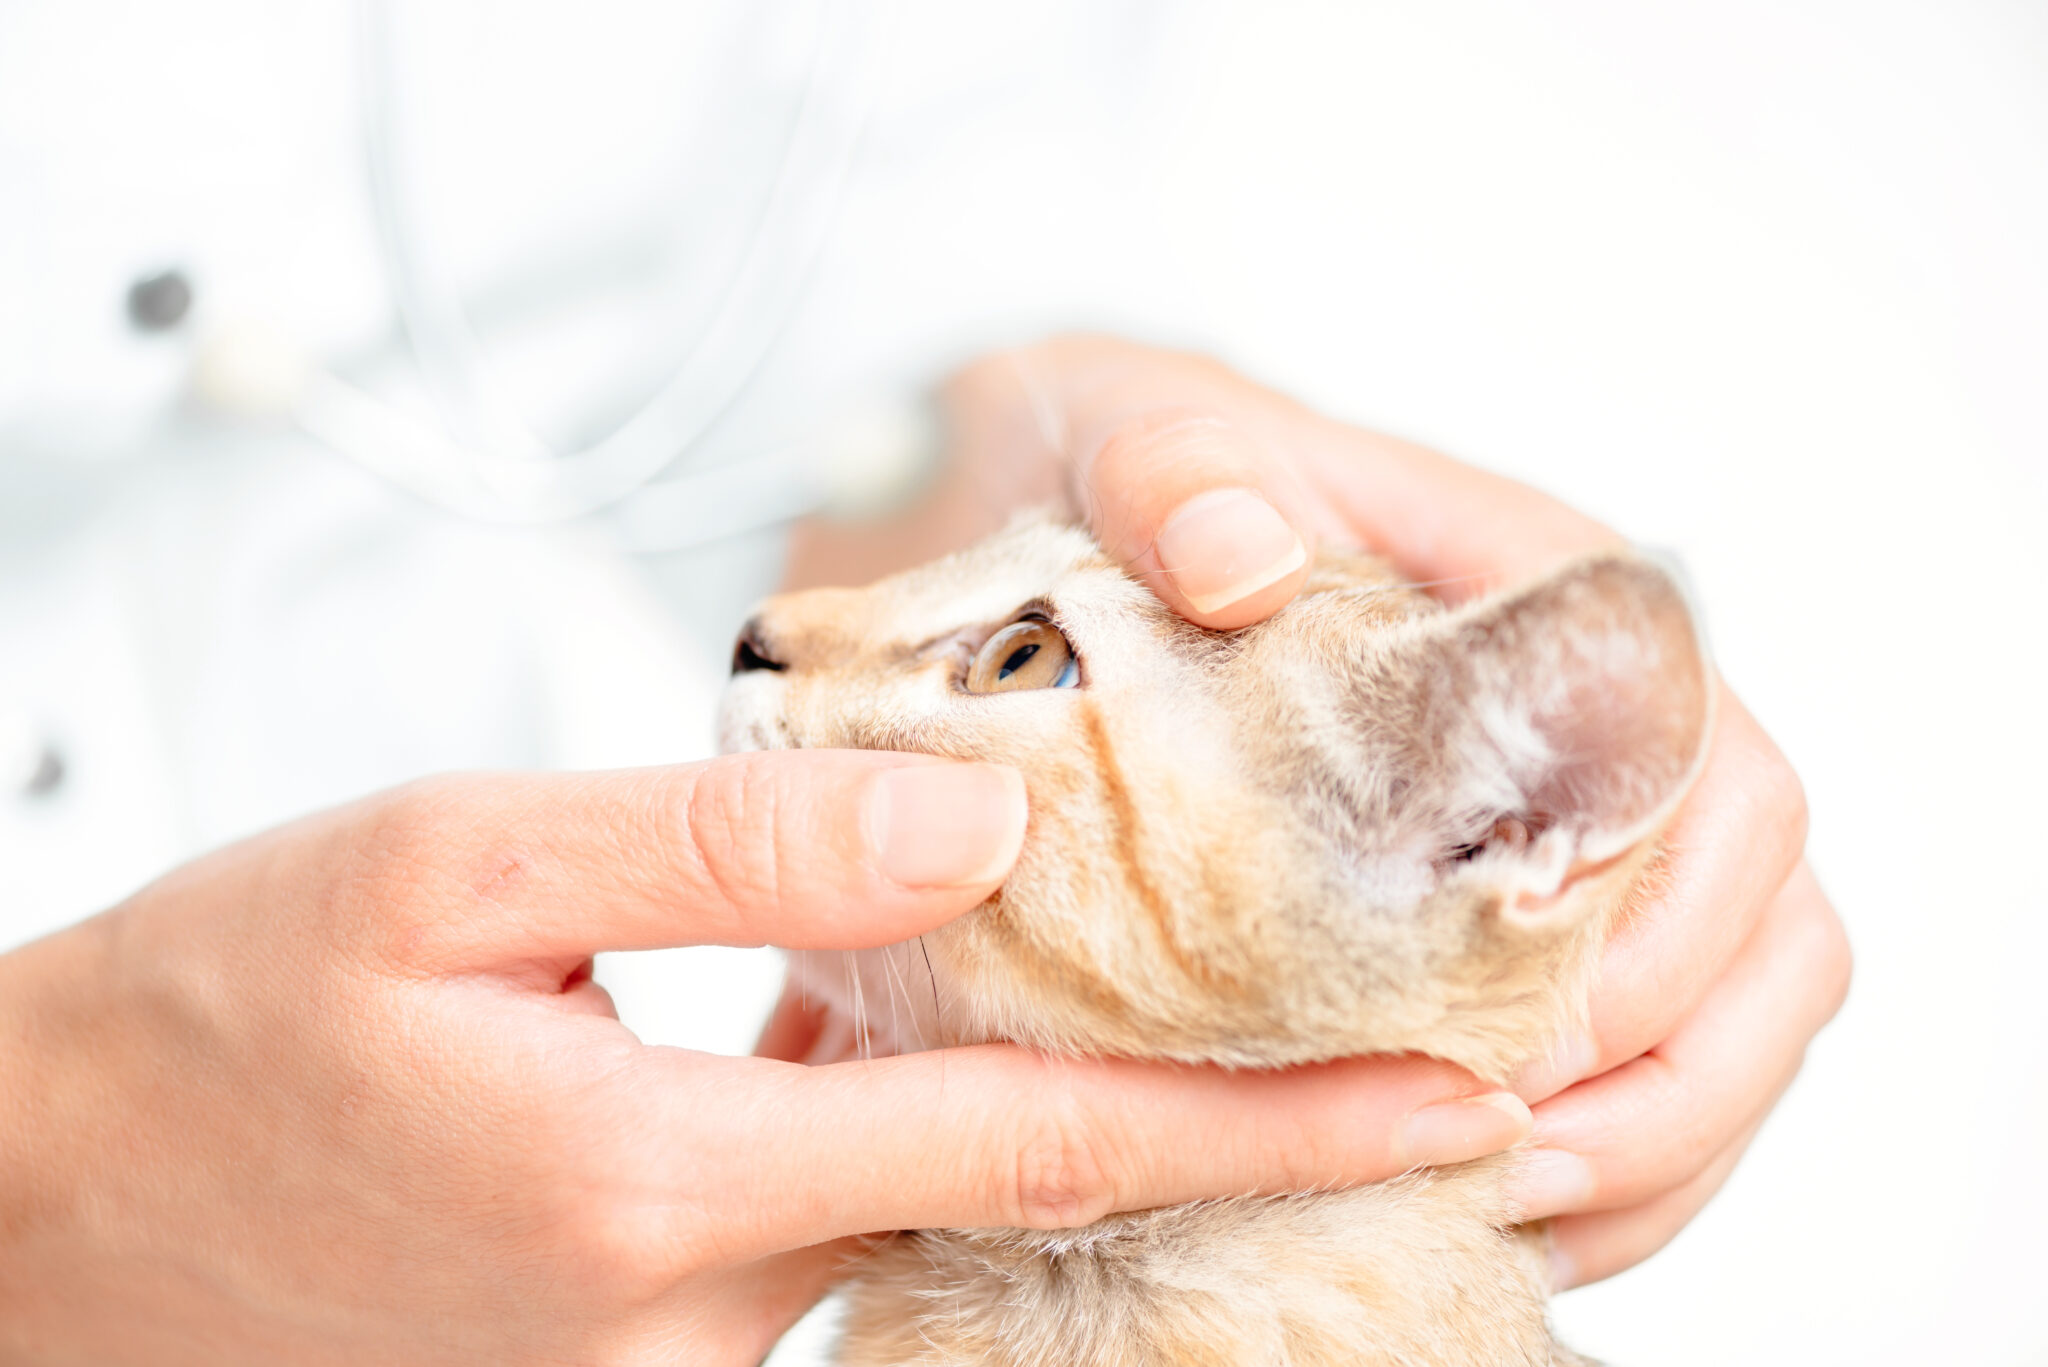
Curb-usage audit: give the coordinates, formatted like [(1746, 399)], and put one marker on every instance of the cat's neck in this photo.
[(1427, 1268)]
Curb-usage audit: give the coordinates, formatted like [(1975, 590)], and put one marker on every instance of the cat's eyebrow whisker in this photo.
[(943, 638), (1085, 496), (1091, 500), (1046, 411), (1476, 577)]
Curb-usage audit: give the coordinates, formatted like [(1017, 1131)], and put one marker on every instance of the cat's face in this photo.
[(1368, 824)]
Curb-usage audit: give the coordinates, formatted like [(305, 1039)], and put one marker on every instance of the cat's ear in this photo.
[(1567, 720)]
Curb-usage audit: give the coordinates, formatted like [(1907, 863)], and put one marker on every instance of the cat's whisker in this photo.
[(1476, 577), (863, 1046), (892, 983), (938, 1015), (897, 986)]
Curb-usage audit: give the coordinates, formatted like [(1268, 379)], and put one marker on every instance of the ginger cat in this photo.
[(1371, 824)]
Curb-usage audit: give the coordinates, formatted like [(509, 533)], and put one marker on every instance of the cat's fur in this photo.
[(1264, 847)]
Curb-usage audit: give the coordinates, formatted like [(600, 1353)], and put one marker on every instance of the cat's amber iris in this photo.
[(1027, 654)]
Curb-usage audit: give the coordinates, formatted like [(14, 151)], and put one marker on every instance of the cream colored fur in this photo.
[(1266, 847)]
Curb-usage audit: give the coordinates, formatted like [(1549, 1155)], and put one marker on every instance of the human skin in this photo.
[(1215, 491), (345, 1092)]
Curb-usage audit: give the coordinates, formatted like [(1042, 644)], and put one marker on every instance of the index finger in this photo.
[(1215, 490), (1000, 1136), (1735, 842), (1440, 521)]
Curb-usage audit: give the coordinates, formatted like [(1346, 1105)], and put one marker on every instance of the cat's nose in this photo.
[(751, 652)]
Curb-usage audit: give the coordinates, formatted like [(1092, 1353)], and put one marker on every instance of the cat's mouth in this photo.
[(750, 716), (869, 1006)]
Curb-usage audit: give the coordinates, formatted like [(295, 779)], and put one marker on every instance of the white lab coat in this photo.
[(208, 622), (1759, 282)]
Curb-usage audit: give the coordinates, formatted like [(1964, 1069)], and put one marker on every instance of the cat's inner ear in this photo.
[(1567, 720)]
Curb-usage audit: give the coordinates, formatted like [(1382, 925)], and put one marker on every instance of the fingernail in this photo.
[(946, 825), (1223, 546), (1570, 1059), (1564, 1273), (1457, 1131), (1549, 1182)]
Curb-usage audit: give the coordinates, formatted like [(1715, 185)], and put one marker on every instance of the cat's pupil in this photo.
[(1016, 660)]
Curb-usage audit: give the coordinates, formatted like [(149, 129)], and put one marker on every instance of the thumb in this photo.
[(1199, 511), (1179, 466), (798, 848)]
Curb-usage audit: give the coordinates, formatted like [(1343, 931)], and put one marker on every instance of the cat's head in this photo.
[(1368, 824)]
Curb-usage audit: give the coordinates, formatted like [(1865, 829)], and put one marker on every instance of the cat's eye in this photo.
[(1027, 654)]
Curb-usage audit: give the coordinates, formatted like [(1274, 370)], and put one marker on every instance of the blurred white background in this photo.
[(1764, 283)]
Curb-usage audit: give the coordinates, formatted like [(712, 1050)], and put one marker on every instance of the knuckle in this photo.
[(990, 379), (393, 857), (1668, 1102), (401, 824), (631, 1348), (1064, 1173), (1689, 1156), (1792, 804), (1780, 797), (730, 817), (1153, 442), (622, 1253), (1837, 961)]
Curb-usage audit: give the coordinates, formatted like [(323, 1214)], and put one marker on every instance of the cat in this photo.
[(1370, 824)]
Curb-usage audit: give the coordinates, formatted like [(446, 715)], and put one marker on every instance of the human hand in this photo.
[(347, 1093), (1214, 491)]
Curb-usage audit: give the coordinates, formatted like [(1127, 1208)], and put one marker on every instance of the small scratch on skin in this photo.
[(508, 871)]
